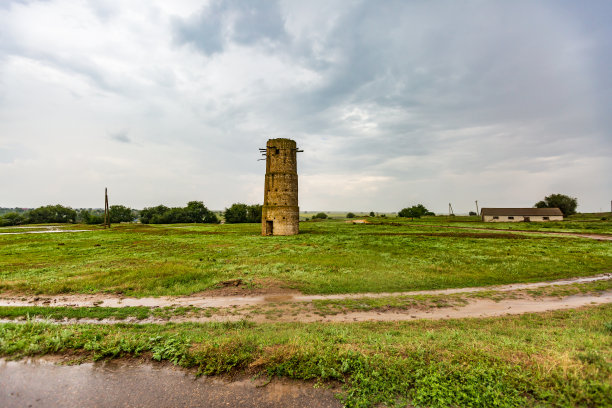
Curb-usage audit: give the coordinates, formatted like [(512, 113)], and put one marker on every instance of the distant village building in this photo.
[(521, 214)]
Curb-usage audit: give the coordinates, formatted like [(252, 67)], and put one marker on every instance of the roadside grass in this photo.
[(321, 307), (326, 257), (560, 358)]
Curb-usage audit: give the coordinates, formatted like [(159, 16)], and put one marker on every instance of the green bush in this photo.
[(416, 211), (240, 213), (195, 212), (565, 203), (52, 213), (12, 218)]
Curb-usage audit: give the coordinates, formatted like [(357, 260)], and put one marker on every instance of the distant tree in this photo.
[(239, 213), (255, 213), (319, 216), (148, 213), (472, 213), (350, 215), (372, 214), (416, 211), (12, 218), (52, 213), (120, 213), (565, 203), (90, 217), (195, 212)]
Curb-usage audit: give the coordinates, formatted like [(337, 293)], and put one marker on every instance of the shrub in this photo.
[(12, 218), (195, 212), (240, 213), (350, 215), (120, 213), (565, 203), (52, 213), (416, 211), (319, 216)]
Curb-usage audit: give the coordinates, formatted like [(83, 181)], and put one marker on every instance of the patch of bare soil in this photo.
[(238, 287)]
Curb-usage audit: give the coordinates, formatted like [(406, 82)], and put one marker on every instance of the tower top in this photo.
[(281, 143)]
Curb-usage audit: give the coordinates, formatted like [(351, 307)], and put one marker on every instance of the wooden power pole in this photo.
[(106, 210), (450, 209), (477, 212)]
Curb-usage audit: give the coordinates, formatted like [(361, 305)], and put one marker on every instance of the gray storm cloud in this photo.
[(394, 103)]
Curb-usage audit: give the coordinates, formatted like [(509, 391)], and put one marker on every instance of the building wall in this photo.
[(280, 210), (520, 218)]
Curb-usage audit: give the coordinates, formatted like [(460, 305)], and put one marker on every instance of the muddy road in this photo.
[(275, 296)]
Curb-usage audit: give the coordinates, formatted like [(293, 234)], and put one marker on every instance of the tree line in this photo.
[(194, 212)]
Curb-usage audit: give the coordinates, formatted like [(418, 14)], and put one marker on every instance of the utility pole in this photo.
[(477, 212), (450, 209), (106, 210)]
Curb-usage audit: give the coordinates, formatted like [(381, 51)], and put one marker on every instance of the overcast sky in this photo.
[(394, 102)]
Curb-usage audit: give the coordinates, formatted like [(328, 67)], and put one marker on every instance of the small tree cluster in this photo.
[(12, 218), (240, 213), (195, 212), (319, 216), (90, 216), (350, 215), (416, 211), (565, 203)]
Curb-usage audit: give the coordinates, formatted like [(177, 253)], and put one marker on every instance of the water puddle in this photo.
[(41, 383)]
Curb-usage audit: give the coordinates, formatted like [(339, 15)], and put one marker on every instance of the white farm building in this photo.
[(520, 214)]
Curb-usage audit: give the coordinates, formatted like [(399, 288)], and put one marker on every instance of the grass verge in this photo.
[(560, 358)]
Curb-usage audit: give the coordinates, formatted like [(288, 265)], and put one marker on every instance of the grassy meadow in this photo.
[(561, 358), (329, 256)]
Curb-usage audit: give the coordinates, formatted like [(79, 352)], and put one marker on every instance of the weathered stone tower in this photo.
[(280, 213)]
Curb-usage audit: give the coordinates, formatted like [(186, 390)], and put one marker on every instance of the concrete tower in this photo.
[(280, 213)]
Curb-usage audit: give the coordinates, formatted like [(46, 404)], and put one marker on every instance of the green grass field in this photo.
[(561, 358), (326, 257)]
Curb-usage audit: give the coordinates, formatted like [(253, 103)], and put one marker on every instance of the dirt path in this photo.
[(475, 308), (300, 308), (599, 237), (41, 383), (201, 300)]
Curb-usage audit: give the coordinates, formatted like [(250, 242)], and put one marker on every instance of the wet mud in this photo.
[(205, 300), (41, 383), (474, 308)]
